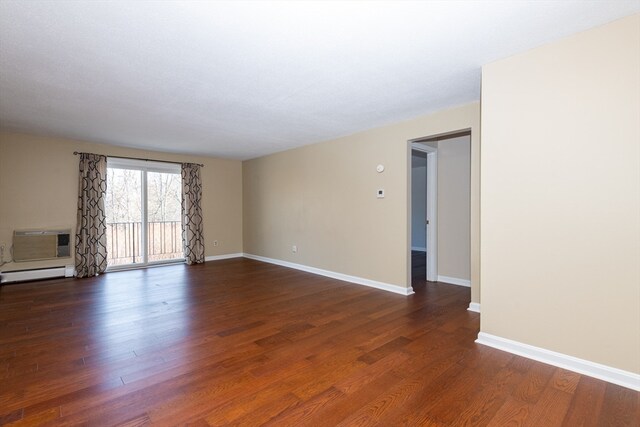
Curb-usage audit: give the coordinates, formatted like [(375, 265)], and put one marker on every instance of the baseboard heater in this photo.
[(37, 274)]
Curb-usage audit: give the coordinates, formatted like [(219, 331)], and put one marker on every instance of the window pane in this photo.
[(164, 231), (124, 216)]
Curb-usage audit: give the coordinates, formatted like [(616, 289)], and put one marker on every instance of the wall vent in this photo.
[(34, 245)]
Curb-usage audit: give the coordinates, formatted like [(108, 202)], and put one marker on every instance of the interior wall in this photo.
[(322, 198), (39, 189), (454, 207), (418, 201), (561, 196)]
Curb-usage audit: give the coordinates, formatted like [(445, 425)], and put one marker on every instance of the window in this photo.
[(143, 212)]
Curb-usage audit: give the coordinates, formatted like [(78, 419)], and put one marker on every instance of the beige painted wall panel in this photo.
[(322, 198), (419, 203), (561, 196), (39, 189), (454, 207)]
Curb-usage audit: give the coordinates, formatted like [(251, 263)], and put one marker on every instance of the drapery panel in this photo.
[(192, 224), (91, 229)]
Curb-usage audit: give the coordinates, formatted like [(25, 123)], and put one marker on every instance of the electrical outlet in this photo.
[(294, 249), (1, 251), (215, 243)]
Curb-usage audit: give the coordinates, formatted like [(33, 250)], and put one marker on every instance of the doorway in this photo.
[(424, 209), (143, 213), (441, 209)]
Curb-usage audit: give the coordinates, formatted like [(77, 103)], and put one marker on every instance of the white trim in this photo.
[(432, 215), (417, 248), (454, 281), (144, 217), (474, 306), (144, 165), (344, 277), (225, 256), (581, 366)]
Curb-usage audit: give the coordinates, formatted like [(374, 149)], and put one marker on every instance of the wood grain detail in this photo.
[(245, 343)]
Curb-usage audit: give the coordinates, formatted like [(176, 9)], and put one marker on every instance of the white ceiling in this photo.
[(244, 79)]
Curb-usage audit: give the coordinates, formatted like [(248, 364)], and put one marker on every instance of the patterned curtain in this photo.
[(91, 232), (192, 237)]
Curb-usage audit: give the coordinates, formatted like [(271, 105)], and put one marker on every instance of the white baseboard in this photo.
[(581, 366), (225, 256), (418, 248), (474, 306), (454, 281), (344, 277)]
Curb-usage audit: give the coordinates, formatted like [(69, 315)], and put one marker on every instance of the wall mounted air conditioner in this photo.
[(34, 245)]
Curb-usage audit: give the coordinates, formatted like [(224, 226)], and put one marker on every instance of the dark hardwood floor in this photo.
[(418, 269), (239, 342)]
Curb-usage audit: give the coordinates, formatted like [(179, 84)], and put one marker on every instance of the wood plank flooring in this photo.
[(244, 343)]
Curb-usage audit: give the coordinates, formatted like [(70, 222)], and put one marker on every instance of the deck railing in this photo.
[(124, 241)]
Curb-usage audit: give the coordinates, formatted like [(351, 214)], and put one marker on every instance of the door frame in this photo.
[(144, 166), (431, 211)]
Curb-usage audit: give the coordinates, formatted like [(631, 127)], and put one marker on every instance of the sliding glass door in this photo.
[(143, 213), (164, 229)]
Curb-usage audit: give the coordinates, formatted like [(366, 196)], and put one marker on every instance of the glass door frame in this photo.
[(144, 166)]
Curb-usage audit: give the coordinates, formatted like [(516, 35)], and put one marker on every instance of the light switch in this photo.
[(380, 193)]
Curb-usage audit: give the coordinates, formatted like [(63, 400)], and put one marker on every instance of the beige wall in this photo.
[(454, 207), (39, 189), (561, 196), (322, 198)]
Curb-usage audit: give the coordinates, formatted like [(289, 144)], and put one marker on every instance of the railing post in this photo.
[(133, 241)]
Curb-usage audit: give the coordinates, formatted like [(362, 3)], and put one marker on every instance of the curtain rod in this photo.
[(75, 153)]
